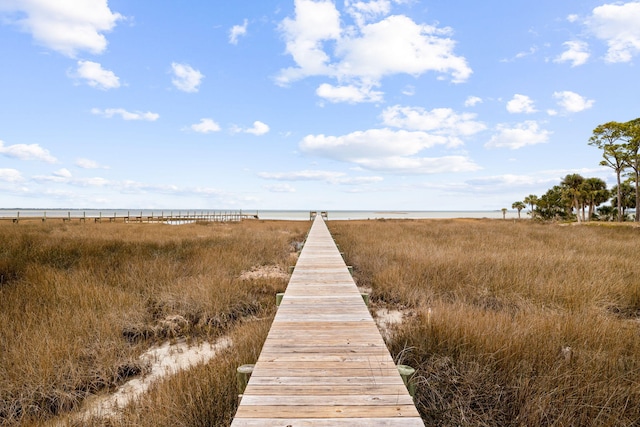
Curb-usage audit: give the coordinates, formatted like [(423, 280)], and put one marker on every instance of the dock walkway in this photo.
[(324, 362)]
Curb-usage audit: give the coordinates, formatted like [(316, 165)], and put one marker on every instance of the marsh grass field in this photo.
[(79, 303), (507, 323)]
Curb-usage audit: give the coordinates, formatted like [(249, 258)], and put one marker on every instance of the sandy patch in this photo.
[(162, 360), (264, 272), (386, 319)]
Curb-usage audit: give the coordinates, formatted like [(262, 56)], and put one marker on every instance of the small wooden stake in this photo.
[(243, 373), (406, 372)]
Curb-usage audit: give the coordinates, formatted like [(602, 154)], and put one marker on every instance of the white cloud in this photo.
[(522, 135), (258, 128), (521, 104), (571, 102), (96, 76), (386, 150), (126, 115), (280, 188), (364, 11), (89, 164), (237, 31), (421, 165), (10, 175), (350, 93), (539, 180), (305, 175), (409, 90), (186, 78), (572, 18), (27, 152), (532, 50), (365, 53), (206, 126), (64, 26), (472, 101), (64, 176), (440, 121), (63, 173), (577, 53), (318, 175), (359, 180), (511, 181), (315, 22), (399, 45), (617, 25)]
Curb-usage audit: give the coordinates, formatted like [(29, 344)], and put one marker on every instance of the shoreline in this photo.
[(290, 215)]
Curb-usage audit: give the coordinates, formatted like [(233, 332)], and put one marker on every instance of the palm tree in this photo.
[(596, 193), (572, 186), (606, 213), (504, 213), (628, 199), (519, 206), (554, 204), (531, 200)]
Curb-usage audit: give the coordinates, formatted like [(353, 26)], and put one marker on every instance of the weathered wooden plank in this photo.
[(324, 357), (355, 400), (287, 391), (324, 362), (315, 372), (323, 381), (329, 411), (328, 422)]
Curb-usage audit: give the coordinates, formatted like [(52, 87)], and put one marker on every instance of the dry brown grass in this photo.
[(514, 324), (80, 302)]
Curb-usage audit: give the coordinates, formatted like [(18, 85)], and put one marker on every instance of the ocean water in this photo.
[(291, 215), (352, 215)]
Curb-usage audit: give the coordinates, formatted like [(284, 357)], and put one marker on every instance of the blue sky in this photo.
[(307, 104)]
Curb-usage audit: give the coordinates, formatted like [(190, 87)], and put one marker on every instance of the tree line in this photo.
[(584, 199)]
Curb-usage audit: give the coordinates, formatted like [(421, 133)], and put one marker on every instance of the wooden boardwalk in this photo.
[(146, 217), (324, 362)]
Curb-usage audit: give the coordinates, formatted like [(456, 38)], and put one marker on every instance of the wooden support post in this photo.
[(365, 298), (243, 373), (407, 372), (44, 216)]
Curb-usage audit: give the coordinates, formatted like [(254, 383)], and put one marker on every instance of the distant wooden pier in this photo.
[(324, 362), (172, 217)]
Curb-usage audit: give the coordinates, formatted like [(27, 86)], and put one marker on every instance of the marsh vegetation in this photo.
[(508, 323), (79, 303)]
